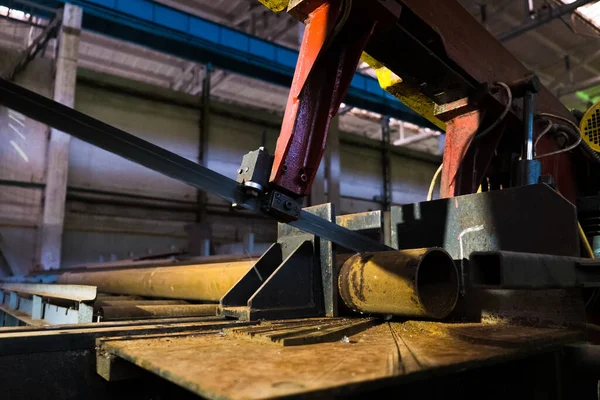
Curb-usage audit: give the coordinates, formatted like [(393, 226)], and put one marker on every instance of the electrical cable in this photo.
[(502, 115), (593, 155), (433, 181), (541, 135), (578, 135), (567, 120), (585, 241)]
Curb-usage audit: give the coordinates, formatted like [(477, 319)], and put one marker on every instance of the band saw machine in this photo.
[(489, 290)]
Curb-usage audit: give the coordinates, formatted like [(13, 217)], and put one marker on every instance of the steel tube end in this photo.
[(412, 283)]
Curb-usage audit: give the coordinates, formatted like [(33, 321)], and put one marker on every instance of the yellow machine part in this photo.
[(275, 5), (392, 83), (590, 127)]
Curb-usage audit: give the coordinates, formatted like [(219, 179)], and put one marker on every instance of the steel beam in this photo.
[(536, 23), (38, 44)]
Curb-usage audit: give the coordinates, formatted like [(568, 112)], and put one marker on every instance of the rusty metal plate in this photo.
[(221, 366)]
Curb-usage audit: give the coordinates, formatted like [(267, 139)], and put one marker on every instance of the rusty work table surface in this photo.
[(226, 364)]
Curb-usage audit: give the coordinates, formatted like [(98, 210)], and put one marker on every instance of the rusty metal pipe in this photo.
[(100, 303), (115, 313), (207, 282), (412, 283)]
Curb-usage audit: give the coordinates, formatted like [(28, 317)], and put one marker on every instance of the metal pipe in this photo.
[(115, 313), (177, 260), (412, 283), (533, 24), (207, 282), (511, 270), (133, 302)]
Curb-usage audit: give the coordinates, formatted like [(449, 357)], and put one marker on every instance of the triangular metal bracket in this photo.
[(276, 290)]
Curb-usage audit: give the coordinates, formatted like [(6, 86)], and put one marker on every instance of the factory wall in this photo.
[(117, 209), (23, 159)]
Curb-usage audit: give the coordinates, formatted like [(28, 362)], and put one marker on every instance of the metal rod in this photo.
[(412, 283), (207, 282), (133, 302), (39, 44), (536, 23), (116, 313)]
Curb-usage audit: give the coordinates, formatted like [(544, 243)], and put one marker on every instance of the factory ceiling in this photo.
[(565, 53)]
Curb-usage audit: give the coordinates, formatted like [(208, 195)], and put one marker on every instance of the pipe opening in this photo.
[(437, 283), (486, 269)]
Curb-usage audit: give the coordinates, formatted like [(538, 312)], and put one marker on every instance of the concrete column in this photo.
[(58, 146), (386, 194), (333, 168), (249, 242)]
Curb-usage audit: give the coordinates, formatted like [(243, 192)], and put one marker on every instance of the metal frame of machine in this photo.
[(413, 261)]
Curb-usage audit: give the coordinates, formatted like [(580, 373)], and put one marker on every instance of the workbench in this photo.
[(255, 362)]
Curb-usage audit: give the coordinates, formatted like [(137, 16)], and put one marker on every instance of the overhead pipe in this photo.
[(134, 302), (536, 23)]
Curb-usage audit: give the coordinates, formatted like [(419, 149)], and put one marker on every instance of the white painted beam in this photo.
[(419, 137)]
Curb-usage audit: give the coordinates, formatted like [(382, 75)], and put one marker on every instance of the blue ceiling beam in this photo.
[(181, 34)]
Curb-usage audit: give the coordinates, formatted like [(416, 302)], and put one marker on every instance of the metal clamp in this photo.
[(254, 171), (282, 207)]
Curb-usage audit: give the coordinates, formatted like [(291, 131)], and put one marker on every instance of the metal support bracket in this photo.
[(39, 304), (277, 289), (322, 277)]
